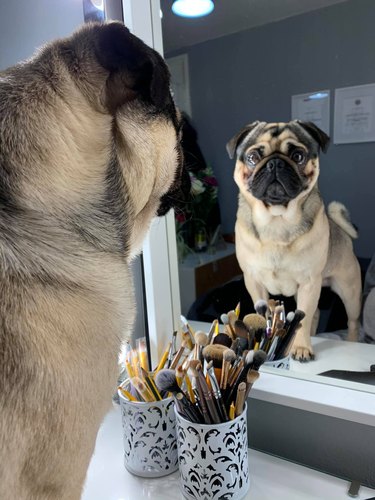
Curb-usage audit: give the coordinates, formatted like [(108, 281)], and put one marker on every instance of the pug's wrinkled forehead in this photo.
[(269, 138)]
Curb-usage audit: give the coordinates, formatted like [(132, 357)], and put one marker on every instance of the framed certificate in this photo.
[(354, 119), (312, 107)]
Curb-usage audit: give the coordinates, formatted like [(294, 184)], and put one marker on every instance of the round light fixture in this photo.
[(192, 8), (98, 4)]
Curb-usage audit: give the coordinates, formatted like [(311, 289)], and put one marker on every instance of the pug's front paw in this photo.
[(302, 353)]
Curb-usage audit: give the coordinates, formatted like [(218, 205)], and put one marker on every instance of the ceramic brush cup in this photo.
[(213, 459), (149, 434)]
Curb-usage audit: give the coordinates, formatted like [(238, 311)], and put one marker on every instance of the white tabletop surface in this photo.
[(271, 477)]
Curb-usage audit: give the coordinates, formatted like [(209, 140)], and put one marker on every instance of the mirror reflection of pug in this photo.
[(286, 243), (89, 154)]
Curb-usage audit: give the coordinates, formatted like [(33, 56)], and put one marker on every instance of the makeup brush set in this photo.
[(211, 375)]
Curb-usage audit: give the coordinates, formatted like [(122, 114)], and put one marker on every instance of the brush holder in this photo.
[(149, 435), (283, 364), (213, 459)]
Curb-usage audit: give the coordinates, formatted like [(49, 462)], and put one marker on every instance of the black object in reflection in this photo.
[(360, 377)]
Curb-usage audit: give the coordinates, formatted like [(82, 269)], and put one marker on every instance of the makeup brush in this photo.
[(188, 327), (163, 358), (241, 376), (276, 339), (277, 322), (201, 340), (232, 316), (271, 305), (251, 378), (172, 350), (222, 339), (256, 325), (142, 389), (166, 381), (259, 358), (214, 353), (186, 337), (151, 385), (242, 334), (177, 357), (240, 399), (226, 322), (261, 307), (196, 369), (237, 310), (228, 357), (255, 322), (216, 392), (288, 320), (238, 347), (198, 391), (285, 343), (213, 329)]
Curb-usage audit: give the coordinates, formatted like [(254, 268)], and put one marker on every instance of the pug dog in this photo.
[(286, 242), (89, 154)]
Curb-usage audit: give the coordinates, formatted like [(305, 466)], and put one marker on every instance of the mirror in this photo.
[(245, 62)]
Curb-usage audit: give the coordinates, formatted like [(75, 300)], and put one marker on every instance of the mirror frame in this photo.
[(348, 401)]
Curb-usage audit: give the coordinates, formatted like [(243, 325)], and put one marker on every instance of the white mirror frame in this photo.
[(318, 395), (159, 250)]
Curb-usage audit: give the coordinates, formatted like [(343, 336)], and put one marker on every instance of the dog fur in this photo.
[(286, 243), (89, 154)]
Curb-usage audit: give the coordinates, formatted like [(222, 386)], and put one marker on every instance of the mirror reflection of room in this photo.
[(310, 60)]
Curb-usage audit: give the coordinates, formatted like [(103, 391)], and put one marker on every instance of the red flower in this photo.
[(210, 180), (180, 217)]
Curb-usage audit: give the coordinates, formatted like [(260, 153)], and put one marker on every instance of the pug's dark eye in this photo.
[(298, 156), (252, 158)]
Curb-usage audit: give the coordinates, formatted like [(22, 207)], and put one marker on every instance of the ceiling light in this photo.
[(192, 8), (318, 95), (98, 4)]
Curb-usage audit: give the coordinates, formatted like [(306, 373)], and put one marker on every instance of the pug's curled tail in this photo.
[(340, 214)]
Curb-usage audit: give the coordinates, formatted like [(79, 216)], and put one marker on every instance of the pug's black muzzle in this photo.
[(276, 183)]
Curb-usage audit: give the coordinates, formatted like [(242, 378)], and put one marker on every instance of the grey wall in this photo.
[(253, 74), (26, 25)]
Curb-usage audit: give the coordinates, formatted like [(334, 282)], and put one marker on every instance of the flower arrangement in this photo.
[(199, 218)]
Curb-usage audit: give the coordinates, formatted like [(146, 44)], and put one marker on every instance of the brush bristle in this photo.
[(229, 355), (201, 338), (240, 329), (222, 339), (299, 315), (214, 352), (290, 316), (261, 307), (255, 322), (259, 358), (224, 319), (249, 358), (165, 380), (252, 376)]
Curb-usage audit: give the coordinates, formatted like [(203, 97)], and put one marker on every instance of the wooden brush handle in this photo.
[(240, 399)]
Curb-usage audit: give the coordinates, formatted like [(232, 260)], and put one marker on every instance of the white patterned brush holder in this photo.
[(283, 364), (213, 459), (149, 433)]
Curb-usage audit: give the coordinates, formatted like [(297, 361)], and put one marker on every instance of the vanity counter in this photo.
[(271, 477)]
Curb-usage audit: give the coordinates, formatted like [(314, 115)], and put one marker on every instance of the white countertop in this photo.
[(271, 478), (329, 355), (197, 259)]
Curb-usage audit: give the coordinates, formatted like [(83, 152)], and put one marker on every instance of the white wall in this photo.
[(27, 24)]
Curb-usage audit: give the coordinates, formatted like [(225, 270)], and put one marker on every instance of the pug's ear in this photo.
[(233, 144), (135, 69), (316, 133)]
